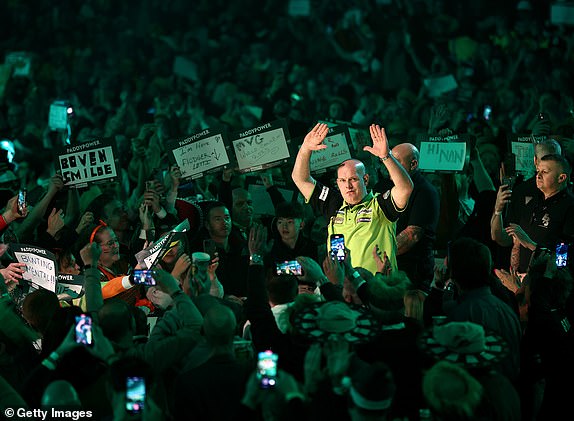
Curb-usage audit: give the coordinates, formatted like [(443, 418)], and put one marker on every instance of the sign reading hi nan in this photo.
[(448, 153), (90, 162), (200, 153), (40, 265), (336, 152), (261, 147)]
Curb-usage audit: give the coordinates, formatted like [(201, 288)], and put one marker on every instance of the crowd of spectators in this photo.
[(351, 342)]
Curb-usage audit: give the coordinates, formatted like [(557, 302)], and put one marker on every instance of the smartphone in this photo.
[(289, 267), (135, 394), (267, 369), (83, 330), (210, 248), (21, 201), (337, 247), (561, 255), (149, 186), (58, 115), (144, 277), (487, 112)]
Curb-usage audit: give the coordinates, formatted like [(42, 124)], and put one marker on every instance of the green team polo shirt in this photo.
[(364, 225)]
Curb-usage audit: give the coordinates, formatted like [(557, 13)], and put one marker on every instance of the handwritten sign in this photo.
[(336, 152), (149, 257), (448, 153), (87, 163), (203, 152), (40, 265), (359, 135), (522, 146), (261, 147), (439, 85)]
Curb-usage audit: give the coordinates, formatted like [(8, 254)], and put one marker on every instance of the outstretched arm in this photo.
[(403, 184), (301, 174)]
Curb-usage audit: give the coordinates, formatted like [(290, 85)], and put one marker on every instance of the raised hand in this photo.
[(314, 139), (257, 239), (380, 146), (55, 221), (182, 264), (86, 220), (334, 270), (383, 263), (13, 272), (517, 233), (91, 253), (56, 184)]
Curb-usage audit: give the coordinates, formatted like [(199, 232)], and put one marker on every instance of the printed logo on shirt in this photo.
[(365, 215), (386, 195), (339, 218), (545, 220), (324, 193), (527, 199)]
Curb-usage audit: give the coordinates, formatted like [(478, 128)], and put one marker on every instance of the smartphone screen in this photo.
[(267, 369), (135, 394), (21, 201), (561, 255), (487, 112), (337, 247), (289, 267), (144, 277), (83, 330)]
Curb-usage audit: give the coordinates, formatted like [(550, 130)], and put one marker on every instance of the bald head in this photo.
[(60, 393), (408, 155), (352, 180), (242, 209), (219, 325), (546, 147)]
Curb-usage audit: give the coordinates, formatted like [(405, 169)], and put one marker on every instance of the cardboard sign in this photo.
[(261, 147), (336, 152), (21, 63), (299, 7), (40, 265), (70, 285), (203, 152), (92, 162), (149, 257), (439, 85), (562, 14), (522, 146), (185, 68), (360, 136), (447, 154)]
